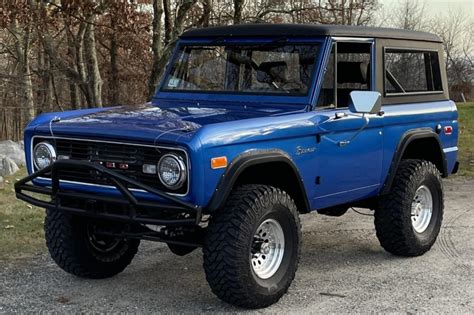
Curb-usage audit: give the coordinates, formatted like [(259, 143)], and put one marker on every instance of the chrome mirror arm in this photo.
[(346, 142)]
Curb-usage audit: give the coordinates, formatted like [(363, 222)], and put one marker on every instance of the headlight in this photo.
[(172, 171), (44, 154)]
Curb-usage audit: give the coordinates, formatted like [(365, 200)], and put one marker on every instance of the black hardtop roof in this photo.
[(307, 30)]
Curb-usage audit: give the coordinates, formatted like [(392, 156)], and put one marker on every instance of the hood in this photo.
[(146, 122)]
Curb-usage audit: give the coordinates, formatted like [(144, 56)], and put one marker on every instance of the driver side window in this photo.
[(348, 70)]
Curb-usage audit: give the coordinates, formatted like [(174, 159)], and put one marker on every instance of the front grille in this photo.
[(134, 156)]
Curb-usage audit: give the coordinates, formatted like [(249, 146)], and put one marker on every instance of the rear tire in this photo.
[(77, 250), (408, 219), (252, 246)]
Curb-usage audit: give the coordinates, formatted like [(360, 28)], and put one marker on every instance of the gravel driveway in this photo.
[(342, 269)]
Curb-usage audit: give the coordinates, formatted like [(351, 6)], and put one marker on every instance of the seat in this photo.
[(273, 71), (351, 76)]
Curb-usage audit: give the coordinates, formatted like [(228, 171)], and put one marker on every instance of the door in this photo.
[(349, 145)]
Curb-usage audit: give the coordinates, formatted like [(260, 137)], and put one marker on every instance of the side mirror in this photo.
[(365, 102)]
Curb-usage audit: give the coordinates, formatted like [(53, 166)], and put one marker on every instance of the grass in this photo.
[(466, 138), (21, 226)]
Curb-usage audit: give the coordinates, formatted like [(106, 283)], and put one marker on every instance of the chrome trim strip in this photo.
[(450, 149), (188, 162), (415, 49), (413, 93), (347, 191), (352, 39)]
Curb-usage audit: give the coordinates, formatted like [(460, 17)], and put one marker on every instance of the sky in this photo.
[(434, 7)]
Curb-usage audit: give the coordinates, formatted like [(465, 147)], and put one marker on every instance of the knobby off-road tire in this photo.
[(71, 246), (235, 240), (396, 231)]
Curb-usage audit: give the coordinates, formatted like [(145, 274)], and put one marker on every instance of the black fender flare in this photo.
[(242, 162), (406, 139)]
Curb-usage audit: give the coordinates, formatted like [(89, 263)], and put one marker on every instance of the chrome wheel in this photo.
[(421, 209), (268, 248)]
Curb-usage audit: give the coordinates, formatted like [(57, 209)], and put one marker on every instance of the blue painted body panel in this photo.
[(210, 125)]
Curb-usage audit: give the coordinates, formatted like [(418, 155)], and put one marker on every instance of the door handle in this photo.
[(339, 115)]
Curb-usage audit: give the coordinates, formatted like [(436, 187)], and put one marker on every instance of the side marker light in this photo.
[(219, 162)]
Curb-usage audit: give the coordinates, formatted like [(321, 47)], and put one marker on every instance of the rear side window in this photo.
[(411, 72)]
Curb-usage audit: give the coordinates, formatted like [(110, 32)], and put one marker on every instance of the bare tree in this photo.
[(55, 55), (409, 15), (18, 23), (238, 8), (22, 46), (347, 12), (455, 30), (114, 82), (173, 28), (94, 80), (156, 46)]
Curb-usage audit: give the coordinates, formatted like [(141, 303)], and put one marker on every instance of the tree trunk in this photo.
[(76, 74), (74, 96), (238, 8), (168, 19), (46, 91), (114, 83), (27, 89), (181, 14), (22, 43), (171, 35), (94, 80), (206, 13), (73, 91), (156, 48), (80, 64)]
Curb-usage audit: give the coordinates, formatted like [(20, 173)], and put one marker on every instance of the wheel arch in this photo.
[(417, 144), (258, 167)]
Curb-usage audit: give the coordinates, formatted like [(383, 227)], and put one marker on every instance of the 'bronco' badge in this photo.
[(301, 150)]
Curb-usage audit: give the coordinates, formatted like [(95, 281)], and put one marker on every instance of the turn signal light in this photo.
[(149, 168), (219, 162)]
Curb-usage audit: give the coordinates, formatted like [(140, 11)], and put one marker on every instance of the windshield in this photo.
[(258, 69)]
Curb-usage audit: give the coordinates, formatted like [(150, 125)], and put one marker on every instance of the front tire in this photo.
[(251, 249), (75, 247), (408, 219)]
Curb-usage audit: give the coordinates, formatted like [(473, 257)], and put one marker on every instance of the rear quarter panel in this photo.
[(410, 112), (399, 119)]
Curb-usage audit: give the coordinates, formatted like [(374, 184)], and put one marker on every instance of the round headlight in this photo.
[(44, 154), (172, 171)]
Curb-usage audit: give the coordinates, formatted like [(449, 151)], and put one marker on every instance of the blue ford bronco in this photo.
[(251, 126)]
